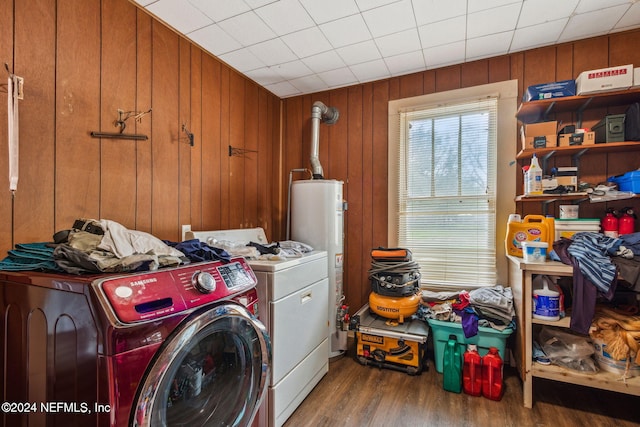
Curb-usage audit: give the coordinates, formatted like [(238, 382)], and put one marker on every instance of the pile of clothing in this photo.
[(597, 262), (487, 306), (105, 246)]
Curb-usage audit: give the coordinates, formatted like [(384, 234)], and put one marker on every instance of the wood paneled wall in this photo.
[(82, 60), (354, 150)]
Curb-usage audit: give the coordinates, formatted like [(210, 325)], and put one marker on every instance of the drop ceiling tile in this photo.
[(329, 10), (264, 76), (492, 21), (428, 11), (183, 17), (247, 28), (346, 31), (370, 4), (486, 46), (272, 52), (441, 56), (359, 52), (591, 5), (258, 3), (537, 35), (338, 78), (390, 19), (541, 11), (324, 61), (630, 19), (442, 32), (220, 10), (283, 89), (292, 70), (478, 5), (369, 71), (242, 60), (307, 42), (405, 63), (402, 42), (309, 84), (214, 39), (592, 23), (285, 16)]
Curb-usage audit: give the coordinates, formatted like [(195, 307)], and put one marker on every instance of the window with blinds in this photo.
[(446, 195)]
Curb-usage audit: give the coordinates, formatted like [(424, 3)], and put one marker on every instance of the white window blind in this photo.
[(447, 191)]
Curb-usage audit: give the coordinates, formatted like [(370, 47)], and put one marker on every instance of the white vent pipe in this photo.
[(328, 115)]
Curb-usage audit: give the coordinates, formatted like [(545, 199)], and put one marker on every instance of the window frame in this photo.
[(506, 93)]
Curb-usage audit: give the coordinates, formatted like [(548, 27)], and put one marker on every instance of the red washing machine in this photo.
[(173, 347)]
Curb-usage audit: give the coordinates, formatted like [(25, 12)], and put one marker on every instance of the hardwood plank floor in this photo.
[(355, 395)]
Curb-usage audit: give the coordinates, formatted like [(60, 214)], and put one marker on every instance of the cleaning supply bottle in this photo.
[(551, 232), (472, 371), (452, 366), (533, 178), (492, 374)]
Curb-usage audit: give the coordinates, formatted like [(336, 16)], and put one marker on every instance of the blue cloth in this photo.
[(198, 251), (592, 252), (30, 257), (631, 241)]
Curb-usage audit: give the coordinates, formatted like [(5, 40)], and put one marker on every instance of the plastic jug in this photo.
[(533, 228), (546, 301), (533, 178), (472, 371), (452, 366), (492, 374)]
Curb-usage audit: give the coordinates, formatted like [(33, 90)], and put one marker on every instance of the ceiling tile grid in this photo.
[(294, 47)]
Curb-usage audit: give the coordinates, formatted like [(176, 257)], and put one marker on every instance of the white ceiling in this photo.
[(293, 47)]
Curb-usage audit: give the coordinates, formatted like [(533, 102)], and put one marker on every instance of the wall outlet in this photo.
[(185, 228)]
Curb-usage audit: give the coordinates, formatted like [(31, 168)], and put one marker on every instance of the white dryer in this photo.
[(293, 301)]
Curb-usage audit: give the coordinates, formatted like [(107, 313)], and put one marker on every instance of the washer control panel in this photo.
[(152, 295)]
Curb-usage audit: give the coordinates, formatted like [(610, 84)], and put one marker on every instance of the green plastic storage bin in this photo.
[(486, 337)]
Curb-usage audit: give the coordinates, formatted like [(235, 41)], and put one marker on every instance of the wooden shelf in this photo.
[(610, 147), (601, 380), (533, 111)]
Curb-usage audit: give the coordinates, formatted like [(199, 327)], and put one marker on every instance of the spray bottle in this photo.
[(533, 178)]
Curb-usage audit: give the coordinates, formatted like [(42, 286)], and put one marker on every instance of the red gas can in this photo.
[(472, 371), (492, 374), (610, 224), (627, 222)]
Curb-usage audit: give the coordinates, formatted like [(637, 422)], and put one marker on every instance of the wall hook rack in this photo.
[(120, 122), (189, 134), (240, 152)]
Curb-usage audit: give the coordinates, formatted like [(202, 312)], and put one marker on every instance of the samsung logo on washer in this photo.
[(143, 281)]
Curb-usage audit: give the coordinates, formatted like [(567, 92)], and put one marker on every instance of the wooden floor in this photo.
[(355, 395)]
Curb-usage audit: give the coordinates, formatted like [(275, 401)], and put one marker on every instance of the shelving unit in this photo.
[(538, 110), (521, 279)]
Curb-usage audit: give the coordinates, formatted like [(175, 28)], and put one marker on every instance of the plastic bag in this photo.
[(568, 350)]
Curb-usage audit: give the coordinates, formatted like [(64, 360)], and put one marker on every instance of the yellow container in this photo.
[(399, 309), (533, 228)]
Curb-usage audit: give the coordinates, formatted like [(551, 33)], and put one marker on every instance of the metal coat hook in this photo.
[(189, 134), (123, 116)]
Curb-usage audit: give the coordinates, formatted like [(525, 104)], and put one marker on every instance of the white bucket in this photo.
[(533, 251), (606, 363), (546, 302)]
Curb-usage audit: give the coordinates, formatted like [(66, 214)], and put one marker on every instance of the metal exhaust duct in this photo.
[(328, 115)]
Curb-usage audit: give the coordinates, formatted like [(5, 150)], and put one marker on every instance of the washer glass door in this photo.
[(211, 372)]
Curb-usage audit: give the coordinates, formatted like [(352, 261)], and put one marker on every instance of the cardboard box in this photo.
[(550, 90), (568, 139), (539, 135), (567, 176), (605, 79), (636, 77)]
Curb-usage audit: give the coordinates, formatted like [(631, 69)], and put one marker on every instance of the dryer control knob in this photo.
[(204, 282)]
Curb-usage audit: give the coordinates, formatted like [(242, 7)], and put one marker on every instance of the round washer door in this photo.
[(212, 371)]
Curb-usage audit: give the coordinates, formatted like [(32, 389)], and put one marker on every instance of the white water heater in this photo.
[(317, 218)]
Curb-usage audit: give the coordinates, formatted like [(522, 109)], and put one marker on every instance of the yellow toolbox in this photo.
[(388, 344)]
